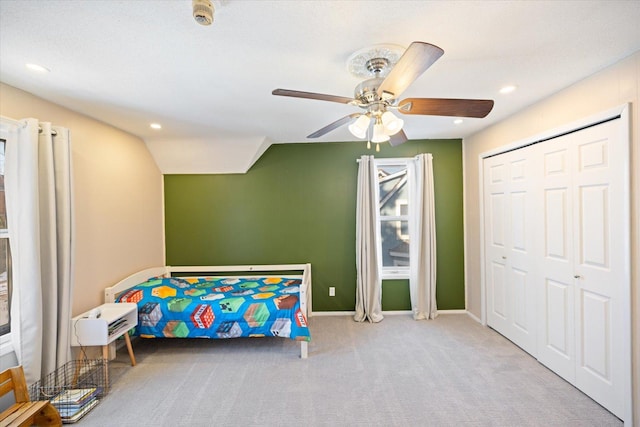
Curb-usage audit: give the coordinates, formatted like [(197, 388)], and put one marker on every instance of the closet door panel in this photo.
[(509, 211), (600, 264), (498, 303), (556, 349), (520, 254), (556, 343), (495, 202)]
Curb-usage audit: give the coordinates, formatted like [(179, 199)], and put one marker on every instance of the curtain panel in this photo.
[(368, 273), (422, 276), (38, 188)]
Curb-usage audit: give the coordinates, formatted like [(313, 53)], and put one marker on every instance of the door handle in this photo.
[(577, 276)]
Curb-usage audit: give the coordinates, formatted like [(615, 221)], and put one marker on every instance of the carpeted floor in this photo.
[(446, 372)]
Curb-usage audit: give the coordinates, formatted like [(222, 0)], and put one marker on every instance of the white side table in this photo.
[(114, 321)]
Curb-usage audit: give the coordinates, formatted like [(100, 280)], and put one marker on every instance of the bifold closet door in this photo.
[(509, 252), (556, 290), (585, 330)]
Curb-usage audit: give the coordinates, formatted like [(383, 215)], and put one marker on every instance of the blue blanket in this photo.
[(214, 307)]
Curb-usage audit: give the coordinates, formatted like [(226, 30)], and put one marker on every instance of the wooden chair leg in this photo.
[(48, 416)]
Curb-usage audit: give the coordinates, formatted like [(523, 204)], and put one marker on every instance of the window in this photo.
[(5, 255), (394, 218)]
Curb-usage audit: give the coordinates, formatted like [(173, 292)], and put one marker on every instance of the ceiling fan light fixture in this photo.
[(391, 123), (360, 126), (378, 133)]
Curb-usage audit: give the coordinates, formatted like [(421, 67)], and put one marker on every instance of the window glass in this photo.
[(395, 243), (393, 189)]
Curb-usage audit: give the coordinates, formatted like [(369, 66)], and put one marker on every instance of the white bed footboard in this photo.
[(112, 292)]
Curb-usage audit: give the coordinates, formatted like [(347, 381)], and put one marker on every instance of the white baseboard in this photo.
[(332, 313), (388, 313), (474, 317)]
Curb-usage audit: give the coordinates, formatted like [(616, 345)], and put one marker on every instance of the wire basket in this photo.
[(74, 388)]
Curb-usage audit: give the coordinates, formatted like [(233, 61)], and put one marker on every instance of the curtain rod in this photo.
[(392, 159), (53, 131)]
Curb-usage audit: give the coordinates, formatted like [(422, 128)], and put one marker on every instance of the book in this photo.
[(74, 397), (81, 412), (71, 410), (116, 325)]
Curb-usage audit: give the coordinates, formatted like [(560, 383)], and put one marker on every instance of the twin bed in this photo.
[(220, 302)]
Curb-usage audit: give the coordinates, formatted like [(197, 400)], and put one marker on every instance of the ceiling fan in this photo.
[(379, 94)]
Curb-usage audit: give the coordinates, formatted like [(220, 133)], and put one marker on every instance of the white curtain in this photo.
[(422, 279), (38, 189), (368, 274)]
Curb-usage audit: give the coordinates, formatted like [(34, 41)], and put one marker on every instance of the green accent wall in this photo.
[(297, 205)]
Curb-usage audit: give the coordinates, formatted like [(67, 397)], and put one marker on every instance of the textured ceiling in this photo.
[(130, 63)]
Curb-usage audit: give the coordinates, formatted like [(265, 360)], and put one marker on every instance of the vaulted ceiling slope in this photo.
[(131, 63)]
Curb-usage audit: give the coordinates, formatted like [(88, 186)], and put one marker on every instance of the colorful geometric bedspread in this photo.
[(215, 307)]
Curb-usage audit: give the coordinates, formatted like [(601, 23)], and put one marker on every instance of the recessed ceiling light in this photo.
[(37, 68), (507, 89), (458, 121), (155, 126)]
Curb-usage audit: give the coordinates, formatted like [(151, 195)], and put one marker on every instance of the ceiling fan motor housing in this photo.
[(366, 92)]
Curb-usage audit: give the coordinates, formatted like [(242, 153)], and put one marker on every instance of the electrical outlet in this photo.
[(332, 291)]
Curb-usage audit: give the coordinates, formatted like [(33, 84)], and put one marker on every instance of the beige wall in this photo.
[(612, 87), (117, 197)]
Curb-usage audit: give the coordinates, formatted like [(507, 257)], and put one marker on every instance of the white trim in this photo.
[(333, 313), (164, 220), (395, 273), (464, 227), (483, 297), (560, 130), (8, 129), (473, 316), (388, 313), (626, 241)]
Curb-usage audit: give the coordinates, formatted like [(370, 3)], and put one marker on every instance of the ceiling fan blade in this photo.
[(416, 59), (334, 125), (311, 95), (477, 108), (398, 138)]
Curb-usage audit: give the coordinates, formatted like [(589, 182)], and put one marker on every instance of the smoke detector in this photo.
[(203, 12)]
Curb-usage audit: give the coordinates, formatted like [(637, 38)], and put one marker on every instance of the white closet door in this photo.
[(601, 265), (510, 262), (557, 261), (556, 345), (584, 330), (496, 229)]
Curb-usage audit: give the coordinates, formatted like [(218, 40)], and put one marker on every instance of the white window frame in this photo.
[(393, 272), (8, 131)]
